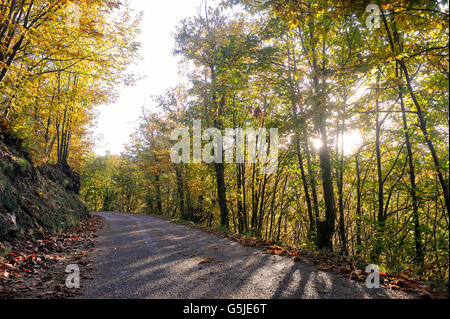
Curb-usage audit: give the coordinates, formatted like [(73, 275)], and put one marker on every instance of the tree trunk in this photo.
[(179, 173), (412, 178), (342, 233), (358, 205)]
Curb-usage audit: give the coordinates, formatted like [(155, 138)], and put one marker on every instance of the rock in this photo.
[(13, 218), (7, 224)]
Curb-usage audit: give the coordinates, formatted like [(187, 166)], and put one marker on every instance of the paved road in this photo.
[(140, 256)]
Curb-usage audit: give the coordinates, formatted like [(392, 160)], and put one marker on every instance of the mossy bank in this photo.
[(35, 201)]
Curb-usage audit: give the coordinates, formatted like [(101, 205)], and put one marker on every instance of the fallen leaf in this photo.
[(323, 267)]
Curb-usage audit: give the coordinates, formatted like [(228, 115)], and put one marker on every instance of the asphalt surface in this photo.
[(143, 257)]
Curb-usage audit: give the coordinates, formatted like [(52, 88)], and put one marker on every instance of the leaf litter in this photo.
[(36, 269)]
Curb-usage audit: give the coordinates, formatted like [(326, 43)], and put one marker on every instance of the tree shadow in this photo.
[(144, 257)]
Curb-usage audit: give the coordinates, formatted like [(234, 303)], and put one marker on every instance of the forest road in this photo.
[(140, 257)]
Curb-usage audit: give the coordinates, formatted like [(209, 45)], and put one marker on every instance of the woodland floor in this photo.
[(37, 269)]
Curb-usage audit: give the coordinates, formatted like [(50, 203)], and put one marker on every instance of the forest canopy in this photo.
[(58, 60)]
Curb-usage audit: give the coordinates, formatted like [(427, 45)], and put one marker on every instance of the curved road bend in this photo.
[(138, 256)]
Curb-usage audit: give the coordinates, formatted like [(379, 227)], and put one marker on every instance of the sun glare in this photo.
[(317, 143), (352, 141)]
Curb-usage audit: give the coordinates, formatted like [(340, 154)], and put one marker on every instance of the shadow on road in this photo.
[(145, 257)]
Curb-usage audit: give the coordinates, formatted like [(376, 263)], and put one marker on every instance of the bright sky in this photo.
[(118, 121)]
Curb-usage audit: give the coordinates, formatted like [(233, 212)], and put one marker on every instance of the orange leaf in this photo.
[(323, 267)]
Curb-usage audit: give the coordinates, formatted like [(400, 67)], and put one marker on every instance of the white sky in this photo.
[(116, 122)]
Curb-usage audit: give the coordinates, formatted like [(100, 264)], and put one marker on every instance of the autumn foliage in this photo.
[(363, 118), (54, 72)]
